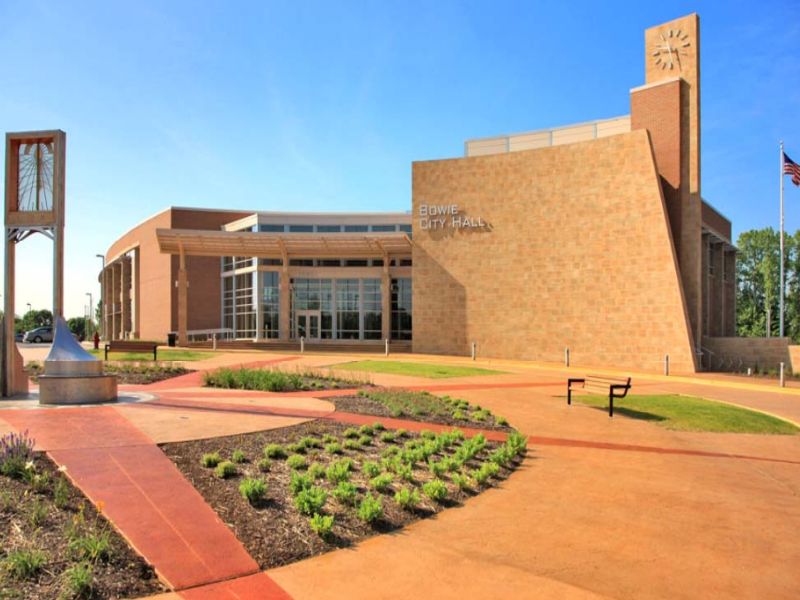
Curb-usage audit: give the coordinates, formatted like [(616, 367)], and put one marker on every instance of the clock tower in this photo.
[(668, 106)]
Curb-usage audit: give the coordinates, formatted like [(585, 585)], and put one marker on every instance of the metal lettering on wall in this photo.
[(447, 216)]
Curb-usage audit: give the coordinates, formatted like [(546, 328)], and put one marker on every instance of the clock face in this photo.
[(671, 45)]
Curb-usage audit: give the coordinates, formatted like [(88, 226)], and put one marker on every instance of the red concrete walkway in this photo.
[(142, 493)]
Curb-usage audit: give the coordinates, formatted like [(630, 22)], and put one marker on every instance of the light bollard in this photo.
[(474, 350), (214, 342), (566, 357), (386, 348), (783, 381), (302, 345), (666, 364)]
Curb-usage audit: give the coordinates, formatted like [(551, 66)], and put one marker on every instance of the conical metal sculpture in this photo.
[(71, 374)]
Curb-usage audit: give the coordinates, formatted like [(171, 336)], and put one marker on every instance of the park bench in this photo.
[(604, 386), (131, 346)]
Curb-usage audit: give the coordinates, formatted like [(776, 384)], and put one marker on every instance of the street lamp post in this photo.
[(102, 257), (29, 306), (91, 322)]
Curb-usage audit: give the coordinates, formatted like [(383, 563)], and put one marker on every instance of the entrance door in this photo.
[(307, 324)]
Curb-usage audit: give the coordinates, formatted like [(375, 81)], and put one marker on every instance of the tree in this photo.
[(35, 318), (77, 325)]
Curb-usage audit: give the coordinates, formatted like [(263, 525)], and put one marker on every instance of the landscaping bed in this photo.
[(420, 406), (127, 373), (53, 542), (278, 380), (322, 485)]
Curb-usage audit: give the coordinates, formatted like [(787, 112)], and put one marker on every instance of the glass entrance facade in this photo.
[(350, 309)]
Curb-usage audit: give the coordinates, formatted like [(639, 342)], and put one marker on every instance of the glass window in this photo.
[(271, 228), (347, 309), (244, 305), (227, 302), (405, 262), (356, 262), (301, 262), (406, 228), (270, 262), (301, 228), (355, 228), (401, 309), (325, 262), (383, 228), (372, 308), (329, 228), (270, 304)]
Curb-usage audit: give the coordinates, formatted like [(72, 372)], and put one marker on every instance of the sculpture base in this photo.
[(54, 389)]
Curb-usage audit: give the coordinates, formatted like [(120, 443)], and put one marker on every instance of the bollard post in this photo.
[(749, 371), (386, 350), (566, 357), (302, 344), (666, 364), (474, 350), (214, 342), (783, 382)]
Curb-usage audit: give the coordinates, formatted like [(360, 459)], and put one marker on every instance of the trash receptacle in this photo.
[(172, 338)]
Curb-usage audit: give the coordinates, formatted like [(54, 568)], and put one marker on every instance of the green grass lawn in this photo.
[(162, 355), (686, 413), (394, 367)]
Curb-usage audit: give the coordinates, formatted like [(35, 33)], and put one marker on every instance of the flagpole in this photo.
[(782, 285)]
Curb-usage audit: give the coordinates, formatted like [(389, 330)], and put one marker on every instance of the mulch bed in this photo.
[(134, 374), (123, 575), (366, 406), (274, 532)]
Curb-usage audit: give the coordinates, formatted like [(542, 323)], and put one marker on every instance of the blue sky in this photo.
[(324, 105)]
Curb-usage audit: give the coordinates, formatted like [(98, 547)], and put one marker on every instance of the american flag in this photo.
[(791, 168)]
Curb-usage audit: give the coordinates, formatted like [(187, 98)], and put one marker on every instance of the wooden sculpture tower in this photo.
[(34, 204)]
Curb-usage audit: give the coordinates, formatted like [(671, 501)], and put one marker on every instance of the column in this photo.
[(183, 300), (125, 298), (284, 320), (386, 301), (258, 296)]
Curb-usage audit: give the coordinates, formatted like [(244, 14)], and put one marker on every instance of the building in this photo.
[(592, 237)]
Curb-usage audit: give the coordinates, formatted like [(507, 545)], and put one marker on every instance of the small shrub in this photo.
[(91, 546), (321, 525), (311, 500), (366, 430), (37, 513), (437, 469), (370, 508), (274, 451), (387, 437), (436, 490), (253, 490), (210, 460), (458, 415), (404, 471), (311, 442), (264, 465), (16, 454), (351, 433), (407, 498), (517, 443), (238, 456), (501, 421), (78, 580), (296, 448), (365, 440), (462, 481), (390, 451), (316, 471), (502, 456), (480, 415), (296, 461), (61, 493), (329, 439), (371, 468), (24, 564), (40, 482), (351, 445), (225, 469), (427, 434), (299, 482), (378, 426), (334, 448), (339, 471), (345, 492), (401, 433), (381, 482)]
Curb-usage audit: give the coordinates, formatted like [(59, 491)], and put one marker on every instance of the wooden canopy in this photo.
[(190, 242)]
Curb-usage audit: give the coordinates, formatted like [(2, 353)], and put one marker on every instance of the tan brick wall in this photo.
[(739, 353), (578, 255)]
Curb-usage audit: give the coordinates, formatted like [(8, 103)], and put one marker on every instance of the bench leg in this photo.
[(569, 395), (611, 404)]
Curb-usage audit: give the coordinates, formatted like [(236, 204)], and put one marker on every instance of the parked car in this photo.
[(20, 336), (39, 335)]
